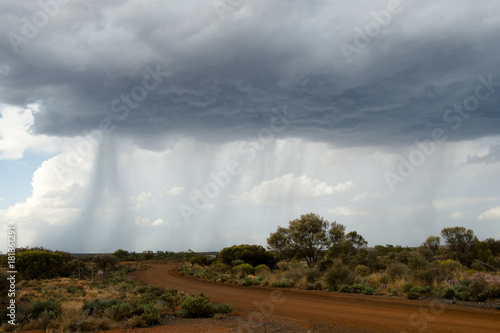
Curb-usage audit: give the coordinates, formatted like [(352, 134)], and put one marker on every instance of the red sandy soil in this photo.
[(262, 309)]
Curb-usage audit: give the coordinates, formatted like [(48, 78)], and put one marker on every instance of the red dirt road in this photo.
[(322, 311)]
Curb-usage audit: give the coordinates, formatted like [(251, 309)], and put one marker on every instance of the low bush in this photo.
[(368, 291), (247, 281), (98, 306), (283, 284), (49, 308), (489, 293), (325, 264), (245, 269), (397, 271), (223, 308), (196, 306), (417, 291), (344, 288), (337, 275), (362, 270), (262, 269), (220, 267), (149, 313), (201, 260), (413, 294), (314, 286), (356, 288), (121, 311)]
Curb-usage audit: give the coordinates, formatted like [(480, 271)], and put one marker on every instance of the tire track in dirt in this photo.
[(332, 311)]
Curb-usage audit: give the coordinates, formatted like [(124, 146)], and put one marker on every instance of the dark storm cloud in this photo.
[(226, 75)]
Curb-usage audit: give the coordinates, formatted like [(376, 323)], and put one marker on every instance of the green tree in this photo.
[(347, 246), (104, 261), (121, 254), (461, 242), (494, 246), (483, 251), (432, 243), (306, 237), (251, 254), (38, 264), (147, 255)]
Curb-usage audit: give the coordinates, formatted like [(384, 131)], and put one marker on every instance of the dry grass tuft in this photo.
[(399, 284)]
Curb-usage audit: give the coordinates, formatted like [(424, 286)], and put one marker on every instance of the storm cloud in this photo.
[(161, 69), (203, 124)]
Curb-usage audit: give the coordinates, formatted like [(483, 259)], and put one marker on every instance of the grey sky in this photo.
[(225, 75), (177, 90)]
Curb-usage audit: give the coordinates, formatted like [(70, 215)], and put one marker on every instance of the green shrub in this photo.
[(449, 293), (250, 254), (450, 268), (151, 294), (150, 313), (313, 274), (344, 288), (397, 271), (337, 275), (413, 294), (121, 311), (201, 260), (465, 296), (394, 292), (48, 309), (237, 262), (247, 281), (262, 269), (476, 288), (220, 267), (283, 284), (417, 291), (325, 264), (465, 282), (196, 306), (356, 288), (384, 278), (368, 291), (99, 305), (314, 286), (489, 293), (39, 264), (362, 270), (245, 269), (223, 308), (416, 261), (428, 274)]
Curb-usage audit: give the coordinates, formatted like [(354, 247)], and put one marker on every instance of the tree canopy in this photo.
[(306, 237), (462, 243), (251, 254)]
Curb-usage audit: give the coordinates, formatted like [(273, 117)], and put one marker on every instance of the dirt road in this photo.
[(329, 312)]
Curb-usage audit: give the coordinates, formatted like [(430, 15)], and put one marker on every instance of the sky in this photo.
[(169, 125)]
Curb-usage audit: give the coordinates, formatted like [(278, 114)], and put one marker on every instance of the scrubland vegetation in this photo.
[(57, 291), (51, 297), (314, 254)]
